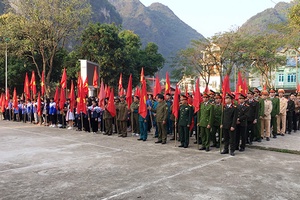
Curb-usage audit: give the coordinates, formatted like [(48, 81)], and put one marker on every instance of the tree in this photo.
[(118, 51), (40, 28)]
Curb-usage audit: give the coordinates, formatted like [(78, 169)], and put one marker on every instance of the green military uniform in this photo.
[(184, 121), (161, 119), (261, 110), (134, 107), (205, 118), (122, 118), (216, 124), (108, 122), (274, 114)]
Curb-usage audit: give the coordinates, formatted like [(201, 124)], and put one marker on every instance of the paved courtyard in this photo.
[(38, 162)]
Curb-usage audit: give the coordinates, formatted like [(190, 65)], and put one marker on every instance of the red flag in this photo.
[(121, 92), (101, 95), (7, 97), (85, 87), (15, 100), (142, 78), (2, 103), (196, 102), (175, 109), (43, 83), (143, 107), (206, 91), (33, 83), (129, 92), (62, 99), (39, 104), (63, 81), (137, 91), (56, 95), (72, 97), (95, 78), (26, 87), (111, 105), (265, 87), (107, 92), (79, 81), (167, 86), (298, 87), (239, 86), (225, 88), (245, 86), (157, 88)]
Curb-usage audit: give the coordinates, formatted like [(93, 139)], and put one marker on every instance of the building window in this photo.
[(291, 78), (281, 78)]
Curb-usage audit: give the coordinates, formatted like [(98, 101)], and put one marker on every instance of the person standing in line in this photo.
[(274, 113), (184, 121), (161, 118), (242, 119), (205, 121), (265, 116), (228, 125), (217, 121), (281, 120), (122, 110), (290, 111), (134, 108)]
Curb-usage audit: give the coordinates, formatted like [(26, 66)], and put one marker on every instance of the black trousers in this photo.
[(250, 131), (184, 135), (240, 137), (229, 139), (94, 124)]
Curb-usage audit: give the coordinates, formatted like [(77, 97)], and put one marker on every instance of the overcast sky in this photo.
[(212, 16)]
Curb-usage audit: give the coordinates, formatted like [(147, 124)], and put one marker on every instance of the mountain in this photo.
[(261, 22), (104, 12), (158, 24)]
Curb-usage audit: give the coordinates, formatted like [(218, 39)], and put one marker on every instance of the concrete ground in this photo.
[(49, 163)]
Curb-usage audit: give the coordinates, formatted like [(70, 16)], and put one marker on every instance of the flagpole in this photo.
[(221, 129), (175, 134)]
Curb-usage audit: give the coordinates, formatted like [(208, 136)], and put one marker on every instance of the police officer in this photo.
[(205, 121), (161, 118), (275, 112), (242, 118), (184, 121), (122, 116), (217, 121), (252, 116), (229, 125)]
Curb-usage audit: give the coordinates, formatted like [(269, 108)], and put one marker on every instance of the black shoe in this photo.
[(225, 152), (109, 134), (164, 142), (155, 136), (202, 148), (289, 132), (274, 136), (144, 140), (214, 145), (185, 147), (207, 149), (139, 139), (120, 135), (172, 138), (241, 149), (268, 139), (158, 142), (282, 134), (258, 140), (232, 153), (181, 145), (195, 142)]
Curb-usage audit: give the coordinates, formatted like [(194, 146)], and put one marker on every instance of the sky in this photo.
[(213, 16)]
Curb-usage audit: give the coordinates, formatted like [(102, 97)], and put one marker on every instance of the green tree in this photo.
[(118, 51), (40, 28)]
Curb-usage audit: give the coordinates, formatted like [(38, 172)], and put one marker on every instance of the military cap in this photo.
[(218, 96), (281, 91), (250, 92), (205, 95), (242, 96), (256, 90), (272, 91), (184, 96), (211, 92), (264, 92), (230, 96)]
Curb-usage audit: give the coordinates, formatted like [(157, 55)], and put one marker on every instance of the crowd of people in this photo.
[(233, 121)]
